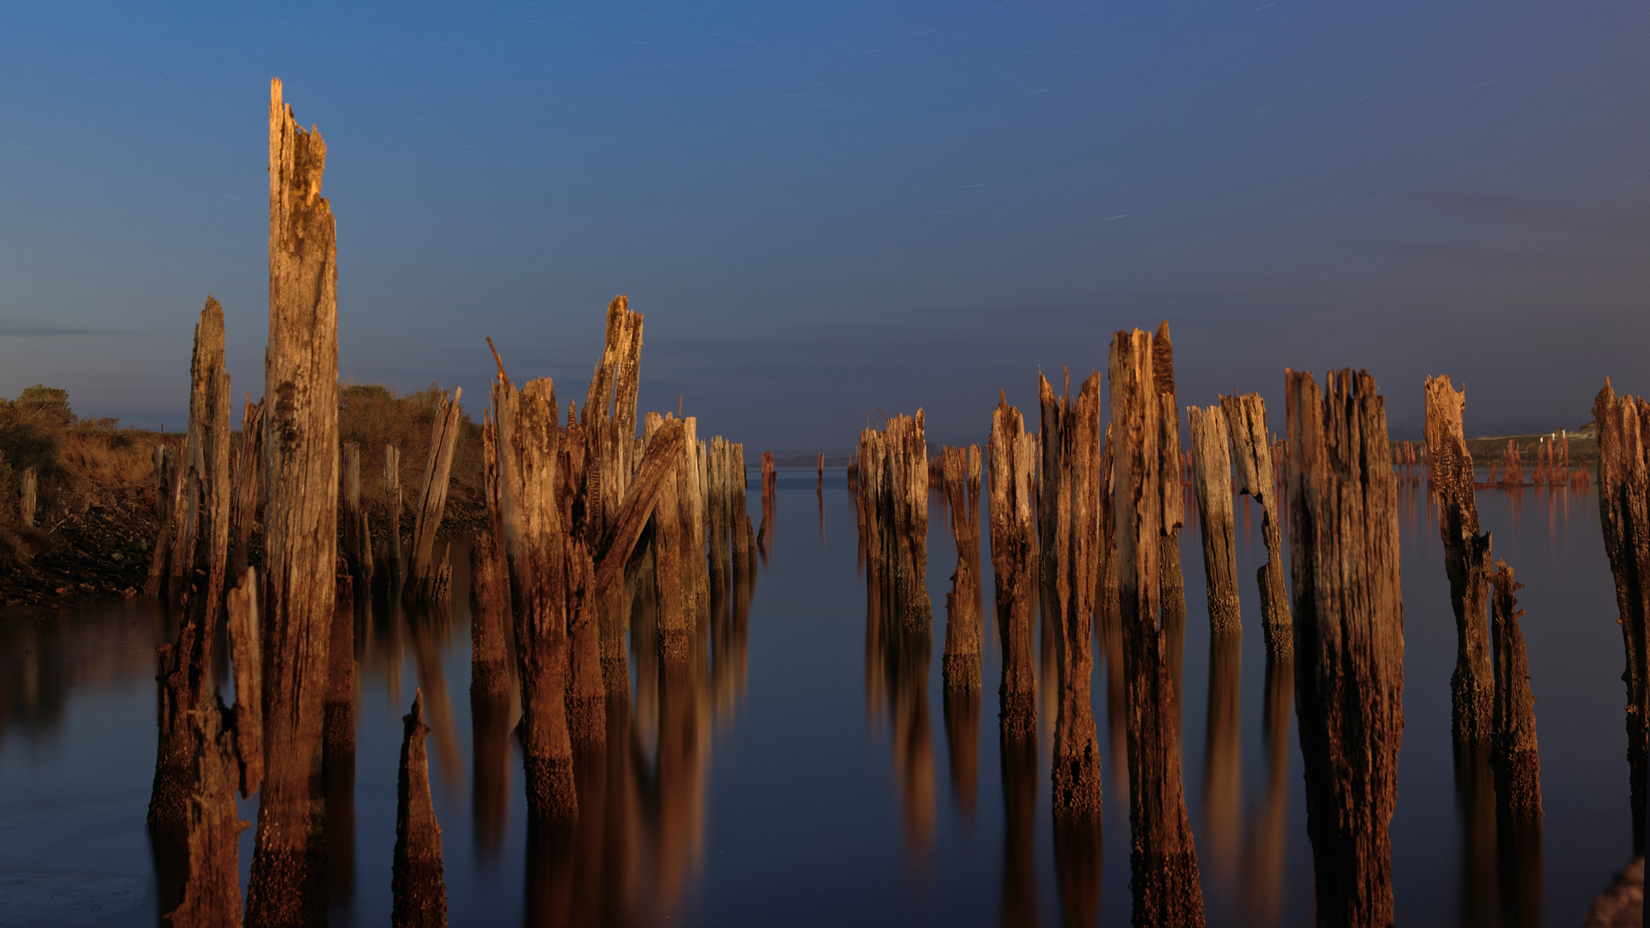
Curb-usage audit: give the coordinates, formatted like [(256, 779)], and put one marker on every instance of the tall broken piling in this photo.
[(1070, 537), (1171, 577), (1624, 510), (1466, 560), (1147, 496), (418, 883), (200, 530), (1349, 638), (1252, 459), (1014, 556), (288, 884), (426, 578), (1212, 480)]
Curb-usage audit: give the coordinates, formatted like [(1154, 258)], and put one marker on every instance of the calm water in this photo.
[(801, 785)]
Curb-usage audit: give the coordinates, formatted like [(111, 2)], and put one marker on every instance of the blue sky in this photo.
[(828, 208)]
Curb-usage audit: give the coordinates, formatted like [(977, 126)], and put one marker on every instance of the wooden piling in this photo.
[(529, 448), (894, 489), (427, 579), (200, 531), (28, 485), (1624, 510), (1513, 756), (357, 533), (288, 884), (961, 664), (1466, 560), (1349, 643), (419, 885), (1212, 480), (1014, 556), (1253, 456), (1172, 579), (1070, 530), (1147, 504), (249, 487), (393, 569)]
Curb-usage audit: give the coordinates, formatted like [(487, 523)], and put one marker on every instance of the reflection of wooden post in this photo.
[(1252, 458), (1070, 541), (288, 884), (1147, 495), (418, 883), (1349, 646), (1624, 510), (1466, 560), (1212, 479), (1013, 453)]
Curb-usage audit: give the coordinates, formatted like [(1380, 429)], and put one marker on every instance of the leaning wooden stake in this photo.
[(1624, 510), (418, 883), (1252, 458), (1212, 478), (1349, 638), (1014, 556), (1147, 503), (427, 579), (1070, 536), (288, 884), (1466, 560), (357, 536)]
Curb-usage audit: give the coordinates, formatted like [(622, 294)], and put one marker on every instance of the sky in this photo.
[(830, 209)]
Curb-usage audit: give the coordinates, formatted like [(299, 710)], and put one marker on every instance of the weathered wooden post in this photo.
[(1147, 500), (1624, 510), (28, 490), (1173, 579), (1349, 638), (418, 882), (961, 663), (249, 486), (288, 884), (1070, 528), (203, 496), (1014, 558), (1466, 560), (394, 571), (1252, 456), (357, 534), (529, 448), (425, 578), (1212, 480), (1513, 754)]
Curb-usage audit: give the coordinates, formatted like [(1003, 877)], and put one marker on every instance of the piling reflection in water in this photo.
[(1261, 882), (1222, 757)]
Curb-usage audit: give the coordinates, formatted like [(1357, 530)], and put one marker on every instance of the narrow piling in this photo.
[(1014, 556), (418, 882), (1466, 561), (1212, 480), (1624, 510), (1252, 457)]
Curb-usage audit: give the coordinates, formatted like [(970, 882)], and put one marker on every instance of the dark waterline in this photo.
[(799, 806)]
